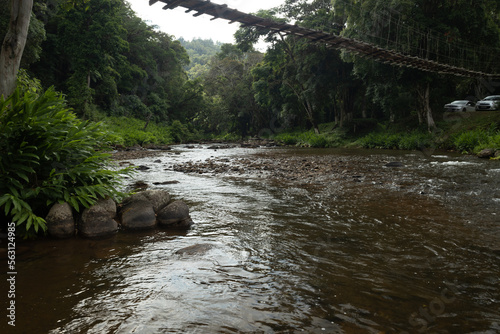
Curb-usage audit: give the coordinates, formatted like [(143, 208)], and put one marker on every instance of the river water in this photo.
[(414, 249)]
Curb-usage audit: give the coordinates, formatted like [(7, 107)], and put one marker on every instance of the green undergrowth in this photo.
[(47, 156), (473, 141), (126, 131), (465, 133), (311, 139), (402, 141)]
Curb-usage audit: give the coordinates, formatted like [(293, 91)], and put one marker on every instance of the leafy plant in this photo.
[(468, 140), (48, 155)]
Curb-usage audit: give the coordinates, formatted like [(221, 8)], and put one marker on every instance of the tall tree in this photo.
[(13, 44), (455, 32)]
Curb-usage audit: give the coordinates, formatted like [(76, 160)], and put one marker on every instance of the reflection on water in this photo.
[(420, 253)]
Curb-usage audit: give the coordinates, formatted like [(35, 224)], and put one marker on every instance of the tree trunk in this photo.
[(13, 45), (426, 111), (431, 125)]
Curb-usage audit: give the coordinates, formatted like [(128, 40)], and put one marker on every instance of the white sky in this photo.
[(180, 24)]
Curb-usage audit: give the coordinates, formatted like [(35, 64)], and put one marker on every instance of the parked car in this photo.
[(489, 103), (460, 105)]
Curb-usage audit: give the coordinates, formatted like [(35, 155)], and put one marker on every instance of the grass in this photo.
[(329, 137)]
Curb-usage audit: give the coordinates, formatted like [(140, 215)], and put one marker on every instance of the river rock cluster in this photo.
[(144, 210), (310, 169)]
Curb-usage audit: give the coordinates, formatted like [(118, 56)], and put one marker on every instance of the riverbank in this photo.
[(468, 133)]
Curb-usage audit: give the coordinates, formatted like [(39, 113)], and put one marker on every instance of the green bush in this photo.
[(410, 141), (180, 133), (317, 141), (47, 155), (467, 141), (415, 141), (287, 138), (129, 131)]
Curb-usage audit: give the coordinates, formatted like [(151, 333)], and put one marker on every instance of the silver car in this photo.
[(460, 105), (489, 103)]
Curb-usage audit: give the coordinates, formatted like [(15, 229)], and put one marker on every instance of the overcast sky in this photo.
[(179, 24)]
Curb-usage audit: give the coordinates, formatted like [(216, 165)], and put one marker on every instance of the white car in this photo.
[(489, 103), (460, 105)]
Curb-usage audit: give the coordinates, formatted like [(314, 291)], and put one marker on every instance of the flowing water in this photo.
[(416, 251)]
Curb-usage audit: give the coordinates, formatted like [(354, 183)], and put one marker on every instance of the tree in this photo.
[(228, 84), (13, 44), (454, 32), (300, 74), (93, 38)]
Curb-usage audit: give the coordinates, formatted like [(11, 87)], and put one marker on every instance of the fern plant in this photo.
[(48, 155)]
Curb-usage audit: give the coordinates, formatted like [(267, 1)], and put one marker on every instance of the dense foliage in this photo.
[(48, 155), (200, 52), (110, 64)]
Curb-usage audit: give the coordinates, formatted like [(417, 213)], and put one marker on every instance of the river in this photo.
[(410, 249)]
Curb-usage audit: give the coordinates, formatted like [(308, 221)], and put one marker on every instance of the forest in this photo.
[(130, 84), (110, 64)]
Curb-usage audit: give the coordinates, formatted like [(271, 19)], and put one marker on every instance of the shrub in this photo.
[(287, 138), (179, 132), (317, 141), (129, 131), (411, 141), (468, 140), (47, 155), (415, 141)]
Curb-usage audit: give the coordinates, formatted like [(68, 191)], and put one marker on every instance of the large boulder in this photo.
[(60, 221), (486, 153), (137, 213), (98, 220), (175, 215), (158, 198)]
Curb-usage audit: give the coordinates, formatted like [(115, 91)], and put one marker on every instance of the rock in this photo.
[(157, 147), (165, 183), (140, 185), (395, 164), (198, 249), (60, 221), (486, 153), (97, 221), (137, 213), (136, 147), (497, 154), (158, 198), (175, 215), (143, 168)]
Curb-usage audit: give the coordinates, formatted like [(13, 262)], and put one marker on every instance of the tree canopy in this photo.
[(107, 60)]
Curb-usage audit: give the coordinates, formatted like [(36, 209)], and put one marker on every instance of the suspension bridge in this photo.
[(358, 47)]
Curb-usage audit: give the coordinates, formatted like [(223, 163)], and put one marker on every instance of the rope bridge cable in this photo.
[(358, 47), (391, 29)]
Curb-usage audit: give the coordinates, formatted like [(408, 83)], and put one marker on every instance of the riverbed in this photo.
[(292, 241)]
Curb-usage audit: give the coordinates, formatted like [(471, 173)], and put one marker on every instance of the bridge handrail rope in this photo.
[(358, 47), (391, 29)]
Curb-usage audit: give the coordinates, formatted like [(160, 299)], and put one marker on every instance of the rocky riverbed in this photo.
[(305, 170)]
